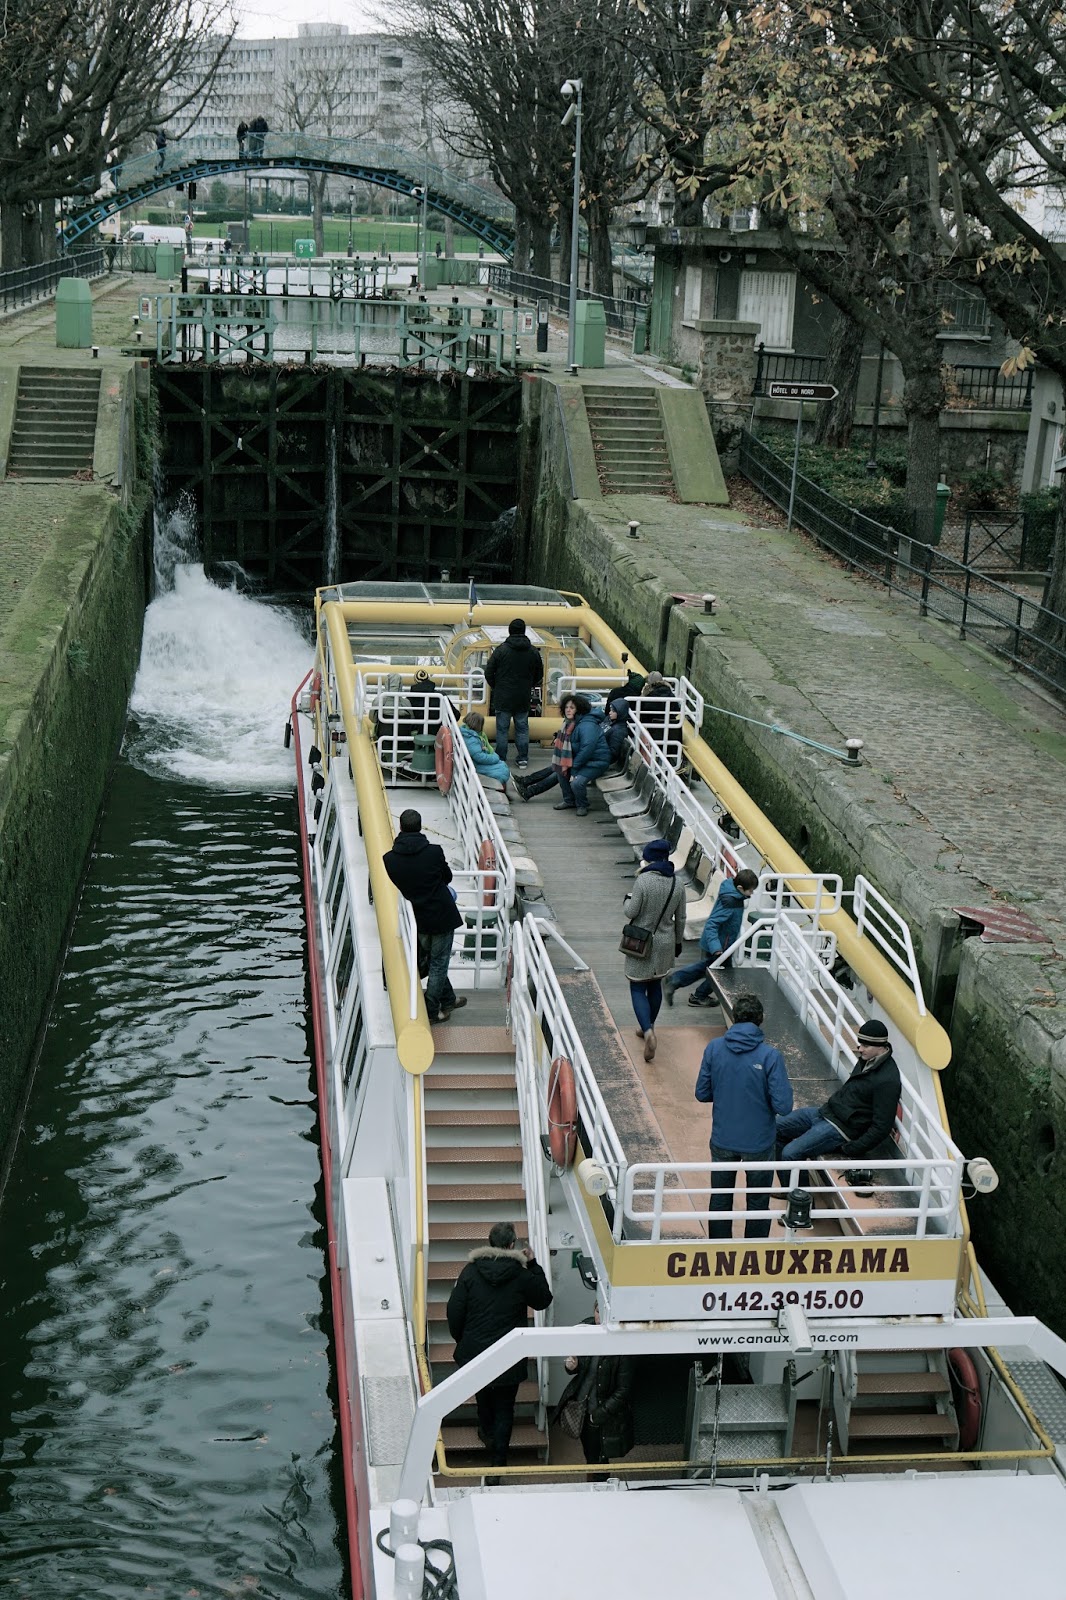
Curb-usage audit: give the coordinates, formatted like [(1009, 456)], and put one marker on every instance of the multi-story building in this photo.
[(327, 80)]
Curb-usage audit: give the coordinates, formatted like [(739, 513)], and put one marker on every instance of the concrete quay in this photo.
[(958, 800)]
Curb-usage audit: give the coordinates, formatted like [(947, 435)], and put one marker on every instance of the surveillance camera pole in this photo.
[(573, 86)]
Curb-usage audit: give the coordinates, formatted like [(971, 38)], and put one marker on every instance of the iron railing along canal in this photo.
[(1015, 626), (23, 286)]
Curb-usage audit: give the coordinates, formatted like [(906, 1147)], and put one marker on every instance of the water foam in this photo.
[(217, 673)]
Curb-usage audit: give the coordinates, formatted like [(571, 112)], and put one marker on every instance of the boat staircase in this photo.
[(473, 1179), (54, 431), (628, 439), (895, 1399)]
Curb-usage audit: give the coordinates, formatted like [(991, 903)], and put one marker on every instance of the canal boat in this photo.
[(842, 1408)]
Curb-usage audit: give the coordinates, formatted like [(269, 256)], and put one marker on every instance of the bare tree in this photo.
[(80, 84), (312, 98)]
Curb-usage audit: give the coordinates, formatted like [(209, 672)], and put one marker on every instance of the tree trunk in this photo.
[(922, 400), (843, 365), (317, 194), (600, 250), (541, 248), (520, 259), (10, 234), (1052, 629)]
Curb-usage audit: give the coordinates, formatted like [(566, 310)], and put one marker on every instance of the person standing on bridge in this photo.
[(160, 149), (258, 128), (242, 134), (746, 1081)]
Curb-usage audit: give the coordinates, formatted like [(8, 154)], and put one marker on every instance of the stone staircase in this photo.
[(55, 423), (628, 438), (473, 1179)]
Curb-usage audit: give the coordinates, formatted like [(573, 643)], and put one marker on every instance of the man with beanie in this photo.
[(512, 672), (421, 872), (857, 1116), (494, 1293), (746, 1080)]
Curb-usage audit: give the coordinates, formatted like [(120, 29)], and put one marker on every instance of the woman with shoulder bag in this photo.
[(656, 909), (596, 1405)]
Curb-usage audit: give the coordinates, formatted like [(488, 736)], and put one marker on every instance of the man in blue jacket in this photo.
[(721, 929), (746, 1080)]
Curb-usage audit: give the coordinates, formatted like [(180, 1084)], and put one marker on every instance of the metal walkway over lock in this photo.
[(486, 215)]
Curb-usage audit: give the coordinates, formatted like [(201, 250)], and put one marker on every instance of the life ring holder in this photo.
[(562, 1112), (443, 758), (486, 863), (966, 1392)]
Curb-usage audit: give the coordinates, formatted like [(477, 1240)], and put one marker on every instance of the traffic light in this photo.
[(180, 187), (192, 191)]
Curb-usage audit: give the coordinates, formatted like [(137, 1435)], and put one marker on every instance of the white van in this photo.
[(148, 233)]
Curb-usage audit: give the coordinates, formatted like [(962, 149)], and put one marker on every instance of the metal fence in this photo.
[(1015, 626), (621, 314), (969, 388), (22, 286)]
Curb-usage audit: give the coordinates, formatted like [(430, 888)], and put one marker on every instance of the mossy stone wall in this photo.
[(70, 654)]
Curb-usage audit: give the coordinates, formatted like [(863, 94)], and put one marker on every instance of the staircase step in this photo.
[(447, 1081), (477, 1193), (472, 1229), (472, 1040), (461, 1154), (524, 1436), (901, 1425), (902, 1383), (463, 1117)]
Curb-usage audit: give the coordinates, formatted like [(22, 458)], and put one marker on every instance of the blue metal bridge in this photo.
[(486, 215)]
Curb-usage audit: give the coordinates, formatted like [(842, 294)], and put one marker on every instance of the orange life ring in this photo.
[(442, 758), (562, 1112), (486, 862), (316, 692), (967, 1395)]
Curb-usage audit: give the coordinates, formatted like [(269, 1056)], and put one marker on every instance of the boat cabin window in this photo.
[(355, 1053), (345, 965)]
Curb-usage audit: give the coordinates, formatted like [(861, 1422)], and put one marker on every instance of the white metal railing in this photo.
[(880, 921), (409, 940), (716, 845), (924, 1192), (537, 1002), (925, 1178), (799, 894), (398, 711), (485, 894)]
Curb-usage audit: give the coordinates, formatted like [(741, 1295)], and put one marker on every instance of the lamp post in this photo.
[(425, 235), (572, 90), (351, 217)]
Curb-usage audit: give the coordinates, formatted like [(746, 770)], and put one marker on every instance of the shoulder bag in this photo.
[(636, 940)]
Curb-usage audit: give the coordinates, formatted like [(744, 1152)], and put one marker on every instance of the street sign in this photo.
[(800, 391)]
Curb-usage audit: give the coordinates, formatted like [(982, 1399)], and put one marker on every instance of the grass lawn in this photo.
[(369, 237)]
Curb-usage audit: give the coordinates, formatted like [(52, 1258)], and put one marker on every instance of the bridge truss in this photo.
[(486, 215)]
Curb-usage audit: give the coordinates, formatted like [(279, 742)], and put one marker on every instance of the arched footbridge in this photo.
[(197, 158)]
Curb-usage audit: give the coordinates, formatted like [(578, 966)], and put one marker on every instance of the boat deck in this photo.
[(587, 867)]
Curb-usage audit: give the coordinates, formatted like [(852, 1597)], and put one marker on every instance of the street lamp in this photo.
[(351, 216), (572, 90), (421, 192)]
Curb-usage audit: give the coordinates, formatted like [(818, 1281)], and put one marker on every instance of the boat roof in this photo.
[(521, 595)]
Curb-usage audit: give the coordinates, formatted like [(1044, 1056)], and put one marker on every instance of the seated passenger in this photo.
[(857, 1117), (616, 730), (579, 755), (721, 930), (659, 711), (486, 762)]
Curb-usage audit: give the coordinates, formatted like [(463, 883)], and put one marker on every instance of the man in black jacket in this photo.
[(493, 1294), (421, 872), (512, 672), (857, 1117)]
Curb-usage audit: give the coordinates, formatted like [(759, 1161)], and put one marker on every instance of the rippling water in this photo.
[(166, 1424)]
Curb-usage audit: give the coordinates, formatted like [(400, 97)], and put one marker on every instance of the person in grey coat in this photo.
[(656, 902)]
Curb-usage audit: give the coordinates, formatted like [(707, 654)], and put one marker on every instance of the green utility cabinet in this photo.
[(168, 259), (433, 274), (303, 249), (590, 334), (74, 314)]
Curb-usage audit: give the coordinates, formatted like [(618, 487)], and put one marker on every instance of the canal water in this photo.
[(166, 1406)]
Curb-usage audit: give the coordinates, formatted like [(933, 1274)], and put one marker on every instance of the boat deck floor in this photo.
[(588, 866)]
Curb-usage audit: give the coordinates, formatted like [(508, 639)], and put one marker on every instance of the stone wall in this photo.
[(70, 652)]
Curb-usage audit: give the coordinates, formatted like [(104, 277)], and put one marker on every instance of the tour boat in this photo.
[(841, 1409)]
